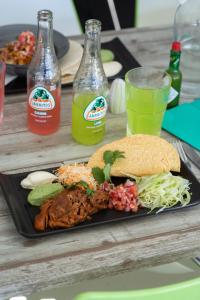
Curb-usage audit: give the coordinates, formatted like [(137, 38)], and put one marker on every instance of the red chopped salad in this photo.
[(123, 197)]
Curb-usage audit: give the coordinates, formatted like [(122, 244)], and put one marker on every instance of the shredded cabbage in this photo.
[(162, 191)]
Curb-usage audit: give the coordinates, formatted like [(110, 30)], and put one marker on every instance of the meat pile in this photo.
[(19, 51), (70, 207)]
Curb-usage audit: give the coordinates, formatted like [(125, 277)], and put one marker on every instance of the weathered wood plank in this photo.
[(47, 149), (60, 259)]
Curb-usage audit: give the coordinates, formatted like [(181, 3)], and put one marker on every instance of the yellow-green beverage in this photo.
[(88, 118), (90, 86), (147, 93)]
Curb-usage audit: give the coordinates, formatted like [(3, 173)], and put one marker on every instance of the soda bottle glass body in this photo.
[(187, 31), (43, 81), (90, 88)]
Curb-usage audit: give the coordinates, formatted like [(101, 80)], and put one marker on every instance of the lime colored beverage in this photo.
[(90, 86), (147, 93), (88, 118)]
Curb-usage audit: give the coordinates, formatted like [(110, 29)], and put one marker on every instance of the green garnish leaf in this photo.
[(84, 184), (98, 175), (117, 154), (89, 192), (106, 171), (110, 157)]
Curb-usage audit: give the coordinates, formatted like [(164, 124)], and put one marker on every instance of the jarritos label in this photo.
[(96, 110), (41, 99)]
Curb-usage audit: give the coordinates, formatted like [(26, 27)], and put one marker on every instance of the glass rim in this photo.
[(92, 22), (45, 14), (92, 26), (127, 80)]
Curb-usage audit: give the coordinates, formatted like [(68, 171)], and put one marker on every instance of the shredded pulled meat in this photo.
[(123, 197), (70, 207)]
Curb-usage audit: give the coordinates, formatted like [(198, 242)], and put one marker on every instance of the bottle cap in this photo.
[(176, 46), (45, 15)]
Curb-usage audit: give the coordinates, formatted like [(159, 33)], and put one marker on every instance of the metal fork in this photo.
[(179, 148)]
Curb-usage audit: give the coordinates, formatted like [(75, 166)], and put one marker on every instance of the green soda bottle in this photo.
[(175, 74), (90, 88)]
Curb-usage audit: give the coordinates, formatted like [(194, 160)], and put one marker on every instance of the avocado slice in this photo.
[(43, 192)]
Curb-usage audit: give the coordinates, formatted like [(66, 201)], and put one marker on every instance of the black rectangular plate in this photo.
[(23, 213), (122, 55)]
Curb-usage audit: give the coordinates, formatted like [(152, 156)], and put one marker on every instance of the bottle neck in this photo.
[(174, 60), (92, 44), (45, 34)]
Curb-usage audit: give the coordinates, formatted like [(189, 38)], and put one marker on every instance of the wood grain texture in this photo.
[(26, 265)]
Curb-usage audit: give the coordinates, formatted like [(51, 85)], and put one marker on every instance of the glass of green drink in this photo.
[(147, 91)]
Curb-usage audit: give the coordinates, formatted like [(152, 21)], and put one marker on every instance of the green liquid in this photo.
[(145, 109), (83, 131)]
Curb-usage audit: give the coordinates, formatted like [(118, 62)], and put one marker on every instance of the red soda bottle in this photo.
[(43, 81)]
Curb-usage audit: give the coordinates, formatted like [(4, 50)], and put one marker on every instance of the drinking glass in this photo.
[(147, 91), (2, 84)]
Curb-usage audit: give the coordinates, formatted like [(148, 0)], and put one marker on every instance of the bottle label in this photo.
[(172, 95), (41, 99), (96, 110)]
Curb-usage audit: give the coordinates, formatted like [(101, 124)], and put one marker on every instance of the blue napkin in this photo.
[(183, 121)]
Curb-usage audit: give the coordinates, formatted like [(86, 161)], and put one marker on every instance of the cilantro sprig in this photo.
[(82, 183), (109, 157)]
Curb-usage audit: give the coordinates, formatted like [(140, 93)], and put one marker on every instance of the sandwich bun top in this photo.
[(144, 155)]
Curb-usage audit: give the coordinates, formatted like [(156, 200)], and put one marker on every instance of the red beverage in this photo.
[(43, 81), (44, 110)]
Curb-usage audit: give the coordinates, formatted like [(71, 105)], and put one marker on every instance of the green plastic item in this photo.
[(107, 55), (188, 290), (183, 122), (43, 192)]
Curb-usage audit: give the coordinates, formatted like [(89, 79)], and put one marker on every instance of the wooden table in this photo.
[(29, 265)]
